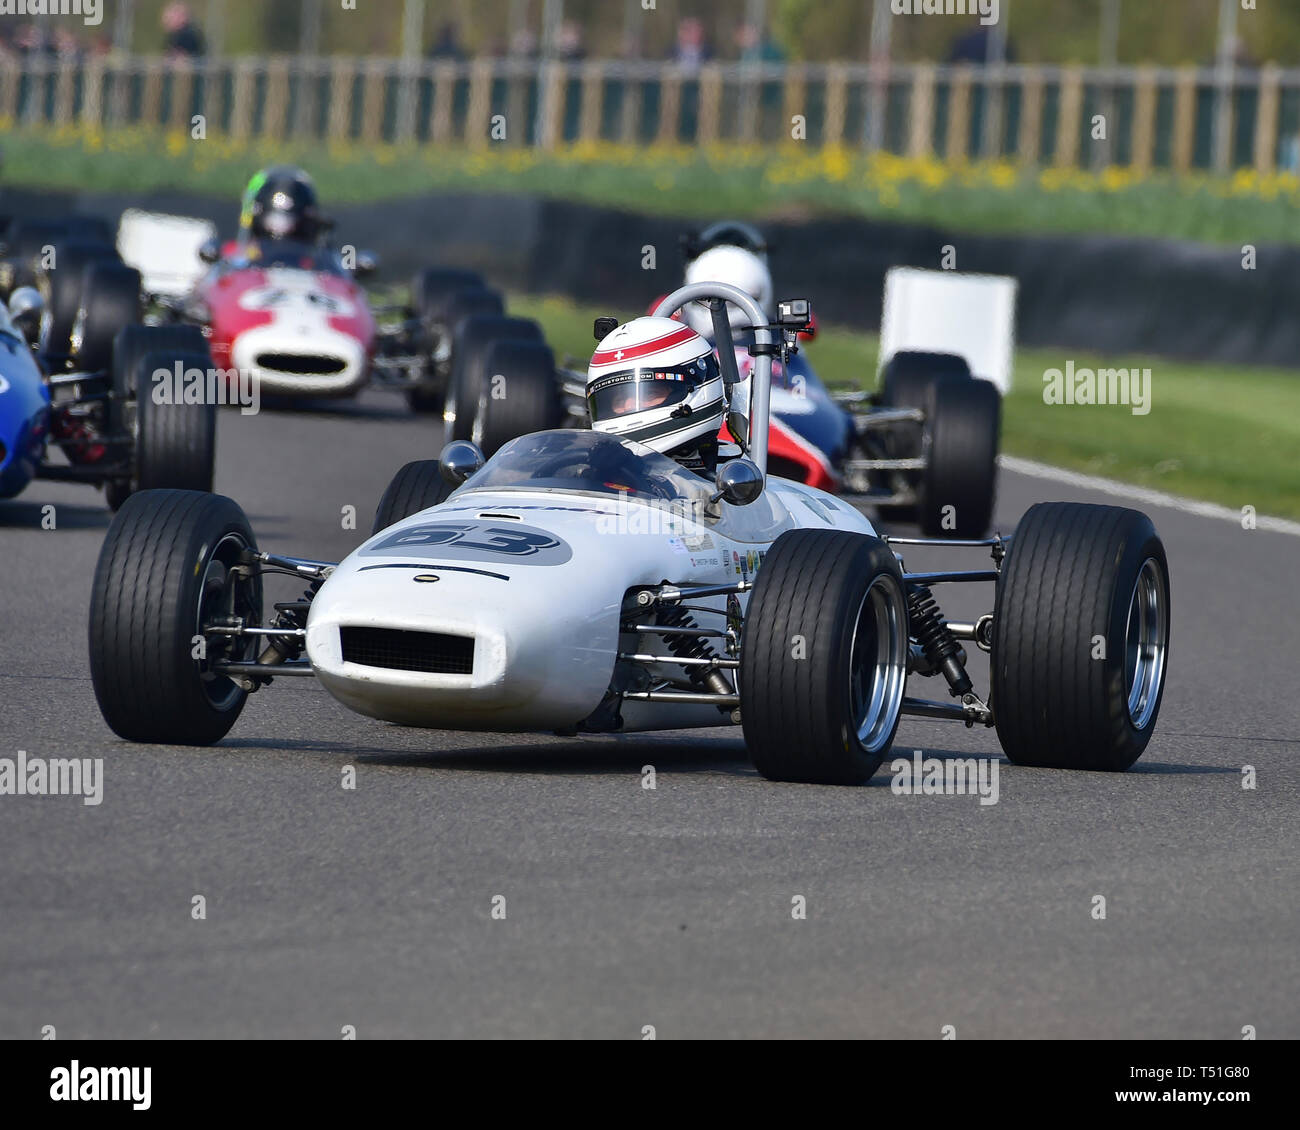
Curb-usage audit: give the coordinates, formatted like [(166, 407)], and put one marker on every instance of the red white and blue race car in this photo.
[(922, 448)]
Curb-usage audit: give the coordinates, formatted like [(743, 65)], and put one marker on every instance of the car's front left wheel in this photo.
[(168, 586)]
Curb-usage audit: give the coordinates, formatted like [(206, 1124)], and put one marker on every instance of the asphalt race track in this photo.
[(627, 907)]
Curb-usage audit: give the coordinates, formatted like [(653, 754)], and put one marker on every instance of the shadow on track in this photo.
[(15, 514)]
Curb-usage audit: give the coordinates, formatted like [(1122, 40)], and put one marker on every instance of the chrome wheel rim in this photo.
[(219, 595), (878, 663), (1146, 641)]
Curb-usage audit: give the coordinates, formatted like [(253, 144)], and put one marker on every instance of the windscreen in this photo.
[(591, 462)]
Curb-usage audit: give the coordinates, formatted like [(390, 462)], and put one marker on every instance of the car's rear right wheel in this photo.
[(520, 394), (431, 290), (474, 337), (416, 487)]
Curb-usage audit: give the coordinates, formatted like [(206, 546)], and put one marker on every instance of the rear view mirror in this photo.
[(739, 482), (459, 460)]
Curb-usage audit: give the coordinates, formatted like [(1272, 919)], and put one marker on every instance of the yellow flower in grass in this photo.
[(1003, 175), (1115, 179)]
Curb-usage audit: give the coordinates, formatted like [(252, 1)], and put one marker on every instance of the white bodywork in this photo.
[(973, 316), (533, 557), (546, 625)]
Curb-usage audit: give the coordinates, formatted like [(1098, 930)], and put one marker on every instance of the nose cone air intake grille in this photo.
[(408, 651), (301, 363)]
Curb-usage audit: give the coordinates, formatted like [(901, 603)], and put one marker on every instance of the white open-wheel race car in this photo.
[(577, 582)]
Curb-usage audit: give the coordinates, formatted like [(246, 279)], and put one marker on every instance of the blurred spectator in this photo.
[(184, 39), (569, 43), (973, 46), (66, 44), (523, 44), (447, 45), (33, 39), (692, 47), (756, 46)]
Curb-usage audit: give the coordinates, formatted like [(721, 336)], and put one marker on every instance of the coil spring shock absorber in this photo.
[(291, 615), (939, 646), (693, 647)]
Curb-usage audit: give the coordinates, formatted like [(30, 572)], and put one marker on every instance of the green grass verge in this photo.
[(1227, 435), (791, 181)]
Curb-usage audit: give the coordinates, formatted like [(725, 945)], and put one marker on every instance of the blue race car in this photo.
[(78, 402)]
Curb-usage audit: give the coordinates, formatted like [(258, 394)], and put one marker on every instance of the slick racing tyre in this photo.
[(908, 372), (165, 576), (416, 487), (431, 290), (110, 300), (1080, 637), (473, 337), (520, 394), (433, 287), (26, 241), (176, 443), (823, 659), (905, 383), (149, 445), (130, 345), (62, 286), (956, 491)]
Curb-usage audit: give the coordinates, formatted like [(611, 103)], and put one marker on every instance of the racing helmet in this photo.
[(280, 203), (736, 267), (725, 233), (658, 382)]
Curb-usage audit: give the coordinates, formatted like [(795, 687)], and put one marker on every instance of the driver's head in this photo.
[(735, 266), (658, 382), (281, 203)]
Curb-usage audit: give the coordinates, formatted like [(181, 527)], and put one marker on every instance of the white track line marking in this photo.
[(1143, 495)]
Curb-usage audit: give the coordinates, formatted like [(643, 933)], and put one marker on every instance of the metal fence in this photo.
[(1071, 117)]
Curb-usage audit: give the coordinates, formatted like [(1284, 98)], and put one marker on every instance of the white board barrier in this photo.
[(946, 312), (164, 249)]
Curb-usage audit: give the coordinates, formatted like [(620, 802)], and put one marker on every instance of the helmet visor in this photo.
[(637, 390), (279, 223)]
